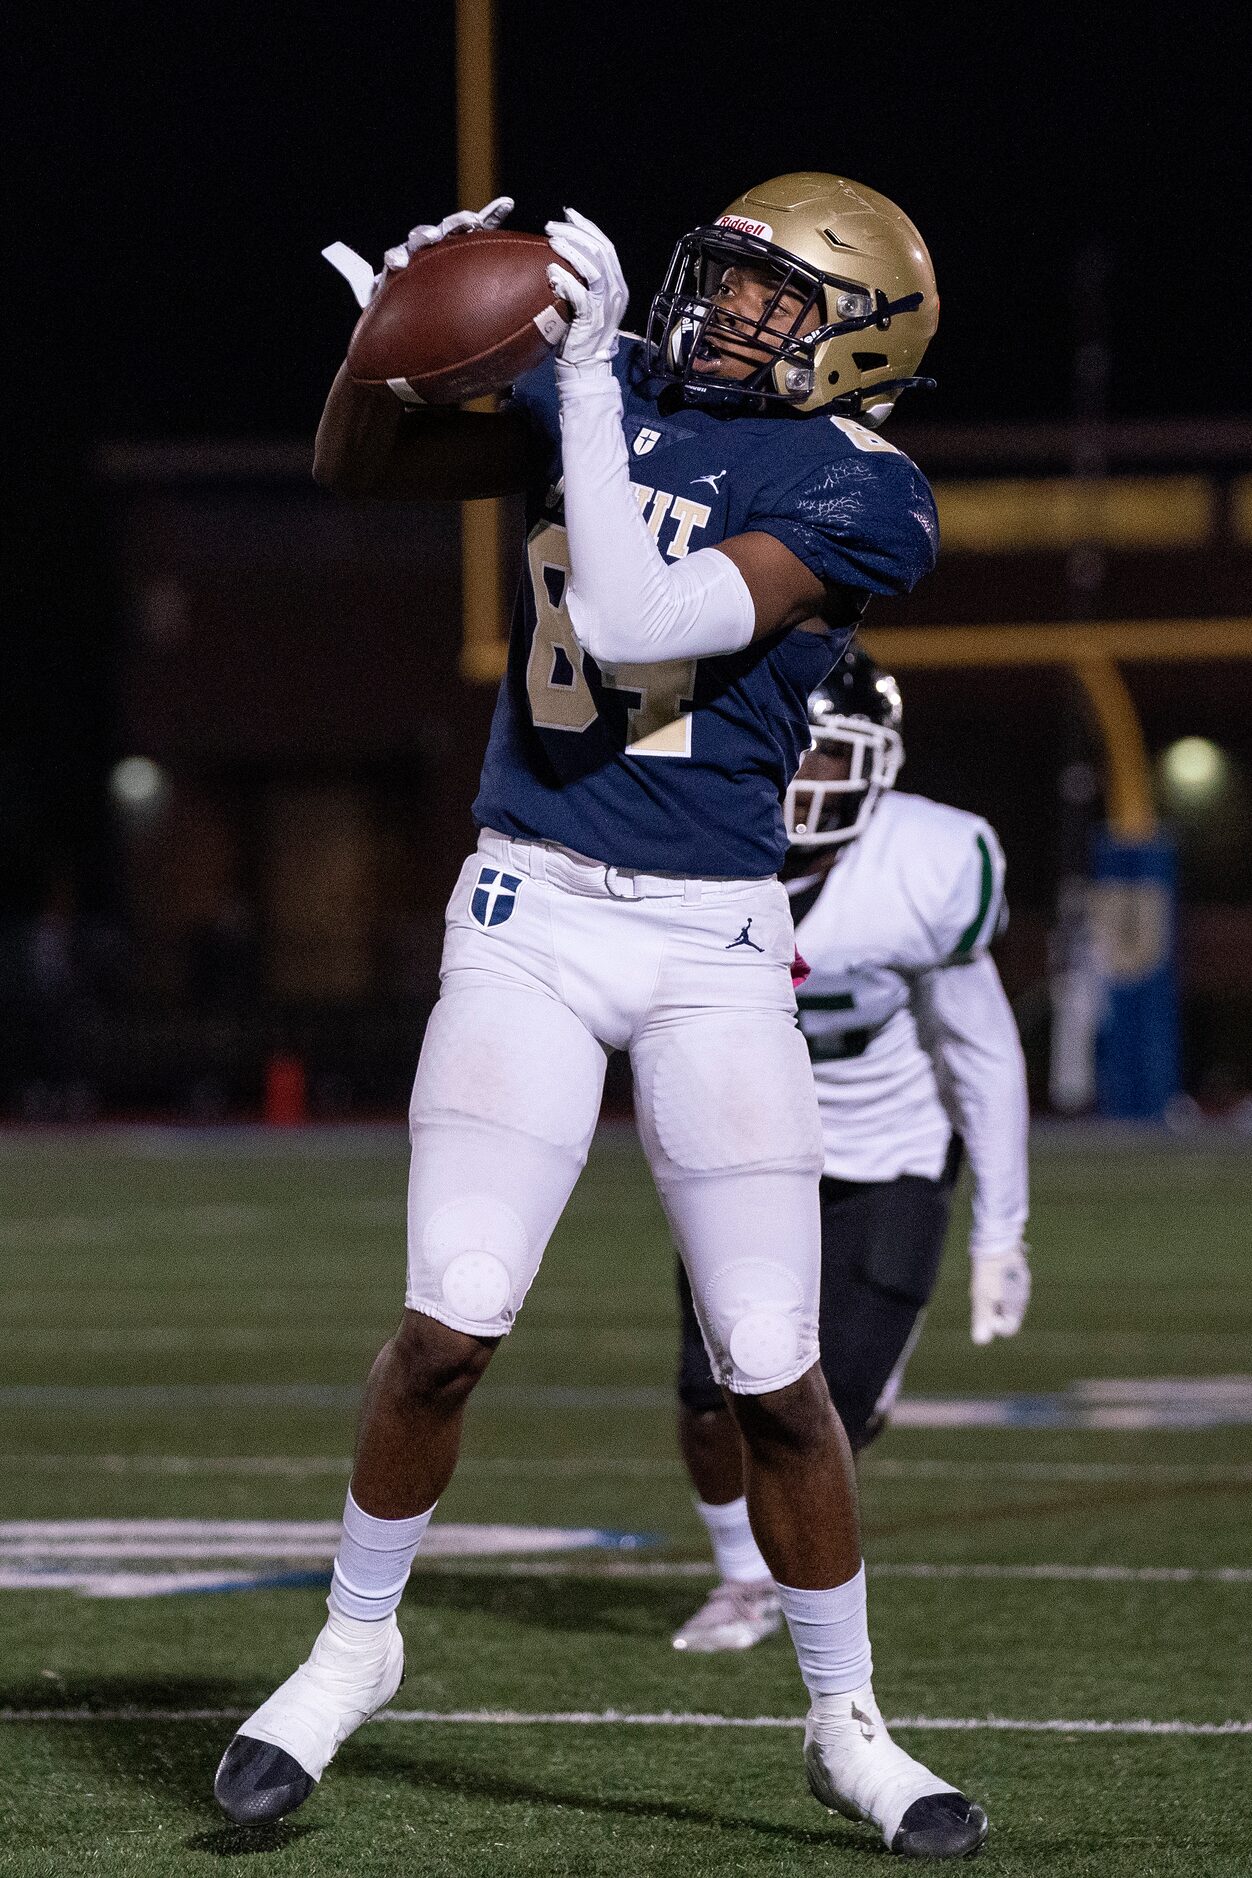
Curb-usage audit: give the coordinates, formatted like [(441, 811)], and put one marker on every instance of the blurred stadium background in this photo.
[(247, 718), (242, 724)]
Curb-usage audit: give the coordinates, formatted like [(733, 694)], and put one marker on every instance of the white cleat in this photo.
[(281, 1752), (855, 1768), (734, 1616)]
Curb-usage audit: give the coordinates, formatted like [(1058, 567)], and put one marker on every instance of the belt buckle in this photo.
[(614, 874)]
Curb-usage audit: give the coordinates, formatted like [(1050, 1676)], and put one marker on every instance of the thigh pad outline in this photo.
[(512, 1059), (733, 1092)]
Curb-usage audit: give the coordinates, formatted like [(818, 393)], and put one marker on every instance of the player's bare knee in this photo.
[(797, 1419), (434, 1366)]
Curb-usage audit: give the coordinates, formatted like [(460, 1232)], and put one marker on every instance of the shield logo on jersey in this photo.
[(494, 897), (645, 440)]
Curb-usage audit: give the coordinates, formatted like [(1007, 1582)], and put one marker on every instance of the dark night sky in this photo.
[(198, 161), (180, 170)]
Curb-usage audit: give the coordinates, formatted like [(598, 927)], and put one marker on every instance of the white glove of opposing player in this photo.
[(365, 283), (600, 303), (999, 1291)]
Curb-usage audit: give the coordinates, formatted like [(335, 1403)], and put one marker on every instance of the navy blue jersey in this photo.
[(680, 767)]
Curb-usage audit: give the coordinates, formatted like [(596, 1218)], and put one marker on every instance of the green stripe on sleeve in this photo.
[(967, 939)]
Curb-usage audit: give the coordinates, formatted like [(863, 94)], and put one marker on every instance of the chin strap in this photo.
[(853, 403)]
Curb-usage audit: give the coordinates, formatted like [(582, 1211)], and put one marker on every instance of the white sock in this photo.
[(372, 1563), (735, 1551), (831, 1636)]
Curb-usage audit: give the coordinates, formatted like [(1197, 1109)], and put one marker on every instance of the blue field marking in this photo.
[(1117, 1404), (267, 1581)]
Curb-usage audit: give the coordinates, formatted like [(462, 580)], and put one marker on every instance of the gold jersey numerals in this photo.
[(658, 714)]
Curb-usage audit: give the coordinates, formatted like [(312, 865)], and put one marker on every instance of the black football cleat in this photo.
[(943, 1825), (282, 1751), (855, 1768), (257, 1781)]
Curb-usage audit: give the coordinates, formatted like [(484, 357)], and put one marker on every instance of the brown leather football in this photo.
[(466, 317)]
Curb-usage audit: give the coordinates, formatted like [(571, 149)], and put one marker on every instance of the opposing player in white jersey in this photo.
[(707, 520), (916, 1059)]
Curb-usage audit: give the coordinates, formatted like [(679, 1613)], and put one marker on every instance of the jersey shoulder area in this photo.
[(950, 867), (853, 508)]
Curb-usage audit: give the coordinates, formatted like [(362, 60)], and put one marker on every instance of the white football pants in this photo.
[(552, 960)]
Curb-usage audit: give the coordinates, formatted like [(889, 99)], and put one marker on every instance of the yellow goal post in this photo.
[(1094, 652)]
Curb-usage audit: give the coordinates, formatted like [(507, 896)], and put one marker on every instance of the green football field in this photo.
[(1059, 1591)]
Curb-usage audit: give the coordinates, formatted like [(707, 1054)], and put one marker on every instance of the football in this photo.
[(466, 317)]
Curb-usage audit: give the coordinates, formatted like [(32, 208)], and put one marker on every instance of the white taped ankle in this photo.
[(373, 1561)]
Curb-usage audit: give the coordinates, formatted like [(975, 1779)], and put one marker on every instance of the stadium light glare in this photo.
[(1195, 771), (137, 783)]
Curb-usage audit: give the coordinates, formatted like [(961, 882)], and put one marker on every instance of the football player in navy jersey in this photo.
[(708, 511)]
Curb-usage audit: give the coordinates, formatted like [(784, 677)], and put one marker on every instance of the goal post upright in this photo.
[(484, 624)]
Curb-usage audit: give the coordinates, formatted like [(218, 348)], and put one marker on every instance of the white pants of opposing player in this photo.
[(550, 962)]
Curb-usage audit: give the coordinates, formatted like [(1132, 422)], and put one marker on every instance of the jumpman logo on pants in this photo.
[(743, 940)]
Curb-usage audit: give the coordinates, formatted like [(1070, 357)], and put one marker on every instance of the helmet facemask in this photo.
[(823, 812), (795, 364)]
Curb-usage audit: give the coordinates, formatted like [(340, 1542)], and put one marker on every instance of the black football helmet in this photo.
[(855, 712)]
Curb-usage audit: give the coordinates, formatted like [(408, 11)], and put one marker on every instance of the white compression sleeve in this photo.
[(627, 603), (967, 1025)]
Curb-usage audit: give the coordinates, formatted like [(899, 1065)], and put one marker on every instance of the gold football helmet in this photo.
[(853, 258)]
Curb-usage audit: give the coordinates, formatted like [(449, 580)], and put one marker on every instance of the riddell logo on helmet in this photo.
[(746, 227)]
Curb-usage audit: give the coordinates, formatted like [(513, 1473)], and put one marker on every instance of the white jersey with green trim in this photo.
[(907, 1023)]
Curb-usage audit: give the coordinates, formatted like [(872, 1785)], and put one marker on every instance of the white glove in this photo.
[(365, 283), (999, 1291), (600, 303), (426, 234)]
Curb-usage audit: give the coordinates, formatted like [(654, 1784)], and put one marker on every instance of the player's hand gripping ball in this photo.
[(592, 284), (462, 308)]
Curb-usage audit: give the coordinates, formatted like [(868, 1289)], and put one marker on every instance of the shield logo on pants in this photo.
[(494, 897)]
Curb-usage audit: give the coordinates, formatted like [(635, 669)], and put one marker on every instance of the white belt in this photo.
[(578, 873)]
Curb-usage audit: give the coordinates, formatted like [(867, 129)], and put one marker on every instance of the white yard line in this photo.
[(301, 1467), (1133, 1407), (281, 1466), (568, 1466), (891, 1467), (1076, 1574), (1083, 1574), (141, 1398), (74, 1553), (616, 1718), (36, 1543)]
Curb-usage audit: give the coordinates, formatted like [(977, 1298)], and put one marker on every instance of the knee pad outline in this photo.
[(758, 1315), (476, 1255), (763, 1344)]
